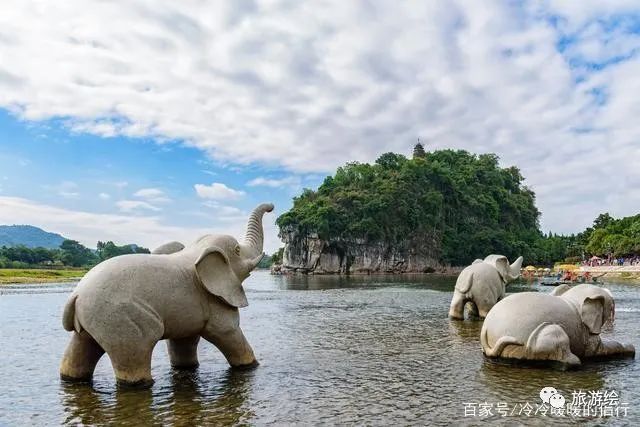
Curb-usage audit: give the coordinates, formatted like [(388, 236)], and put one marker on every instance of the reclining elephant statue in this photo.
[(125, 305), (560, 329), (483, 284)]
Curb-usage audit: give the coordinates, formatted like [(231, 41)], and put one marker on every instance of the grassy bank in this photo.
[(622, 277), (10, 275)]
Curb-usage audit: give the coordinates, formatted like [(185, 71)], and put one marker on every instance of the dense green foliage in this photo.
[(70, 253), (609, 236), (463, 205), (606, 237)]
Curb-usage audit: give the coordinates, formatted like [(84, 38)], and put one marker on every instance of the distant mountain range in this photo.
[(30, 236)]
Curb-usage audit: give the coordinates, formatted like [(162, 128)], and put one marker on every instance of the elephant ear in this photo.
[(217, 276), (592, 313), (500, 263)]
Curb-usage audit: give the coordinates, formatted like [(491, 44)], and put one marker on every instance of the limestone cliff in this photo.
[(313, 255)]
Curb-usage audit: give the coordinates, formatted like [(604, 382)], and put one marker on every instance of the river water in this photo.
[(376, 350)]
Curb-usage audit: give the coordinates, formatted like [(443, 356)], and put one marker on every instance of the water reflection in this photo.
[(466, 330), (186, 398), (505, 379), (322, 282)]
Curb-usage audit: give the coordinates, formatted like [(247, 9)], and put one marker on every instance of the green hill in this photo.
[(29, 236), (454, 205)]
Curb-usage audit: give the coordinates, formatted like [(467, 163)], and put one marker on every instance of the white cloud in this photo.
[(290, 181), (135, 205), (66, 189), (308, 88), (222, 212), (217, 191), (88, 227), (104, 196), (153, 195)]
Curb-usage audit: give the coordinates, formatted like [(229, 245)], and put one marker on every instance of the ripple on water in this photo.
[(348, 351)]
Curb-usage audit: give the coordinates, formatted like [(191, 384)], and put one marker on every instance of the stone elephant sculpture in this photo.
[(483, 284), (561, 328), (125, 305)]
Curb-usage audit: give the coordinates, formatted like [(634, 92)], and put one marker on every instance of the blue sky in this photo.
[(147, 121), (47, 164)]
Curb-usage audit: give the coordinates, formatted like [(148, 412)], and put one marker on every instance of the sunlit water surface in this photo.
[(374, 350)]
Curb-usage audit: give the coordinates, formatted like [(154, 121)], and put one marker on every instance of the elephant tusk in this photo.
[(253, 263)]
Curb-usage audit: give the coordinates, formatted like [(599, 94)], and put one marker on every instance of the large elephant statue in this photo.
[(561, 328), (125, 305), (483, 284)]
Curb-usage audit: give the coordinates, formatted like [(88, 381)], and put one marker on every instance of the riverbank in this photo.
[(626, 273), (33, 275)]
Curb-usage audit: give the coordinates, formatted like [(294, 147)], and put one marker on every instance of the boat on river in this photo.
[(555, 282)]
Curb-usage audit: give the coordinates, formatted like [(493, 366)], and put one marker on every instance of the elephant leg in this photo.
[(233, 345), (456, 309), (132, 364), (183, 352), (484, 303), (80, 358), (472, 307), (551, 342)]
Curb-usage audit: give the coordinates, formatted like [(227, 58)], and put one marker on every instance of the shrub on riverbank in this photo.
[(39, 275)]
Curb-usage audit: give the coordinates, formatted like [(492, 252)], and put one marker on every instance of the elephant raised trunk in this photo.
[(514, 269), (254, 238)]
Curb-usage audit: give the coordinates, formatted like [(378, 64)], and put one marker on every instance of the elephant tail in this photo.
[(502, 342), (69, 320)]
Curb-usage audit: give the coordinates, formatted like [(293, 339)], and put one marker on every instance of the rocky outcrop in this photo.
[(312, 255)]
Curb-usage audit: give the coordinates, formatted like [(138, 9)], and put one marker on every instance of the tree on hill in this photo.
[(75, 254), (462, 205), (106, 250), (615, 237), (268, 260), (70, 253), (276, 258)]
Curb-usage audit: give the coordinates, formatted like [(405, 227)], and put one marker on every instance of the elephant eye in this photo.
[(237, 250)]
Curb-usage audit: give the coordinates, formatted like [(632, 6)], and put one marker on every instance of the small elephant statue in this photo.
[(561, 328), (125, 305), (483, 284)]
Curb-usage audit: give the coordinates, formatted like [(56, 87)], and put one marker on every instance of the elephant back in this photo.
[(519, 315), (478, 274)]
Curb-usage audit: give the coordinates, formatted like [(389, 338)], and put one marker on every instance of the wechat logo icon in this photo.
[(551, 396)]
